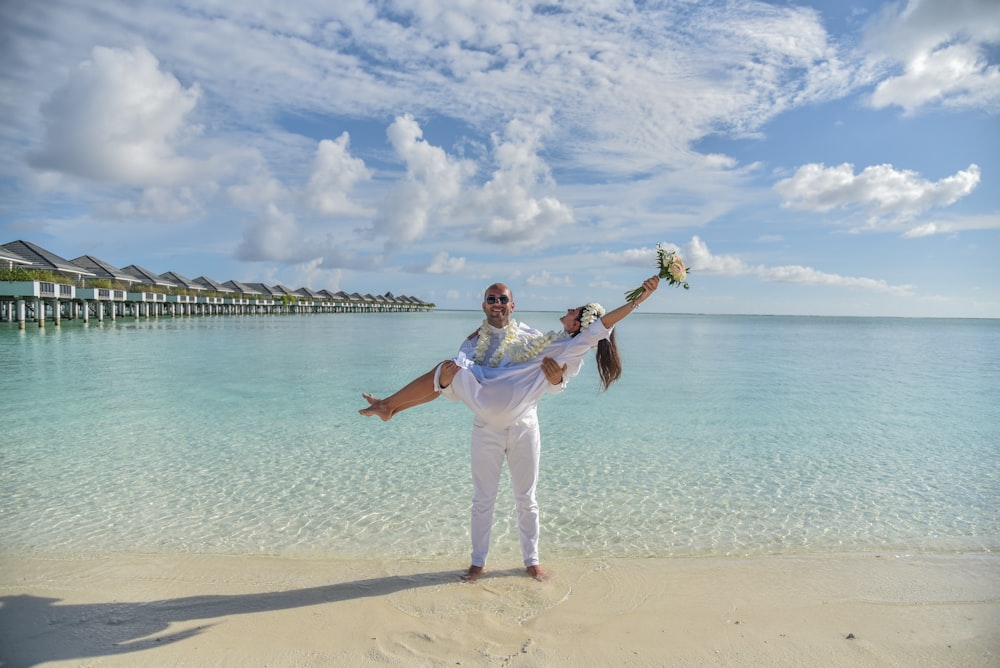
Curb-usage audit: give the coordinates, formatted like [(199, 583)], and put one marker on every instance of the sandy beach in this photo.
[(195, 610)]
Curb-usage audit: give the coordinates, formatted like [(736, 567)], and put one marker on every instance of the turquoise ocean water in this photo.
[(727, 435)]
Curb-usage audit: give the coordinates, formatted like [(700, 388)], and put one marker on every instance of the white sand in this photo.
[(192, 610)]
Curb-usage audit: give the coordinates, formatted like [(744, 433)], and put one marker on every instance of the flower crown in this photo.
[(591, 312)]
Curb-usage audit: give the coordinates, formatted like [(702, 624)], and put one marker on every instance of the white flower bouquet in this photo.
[(671, 268)]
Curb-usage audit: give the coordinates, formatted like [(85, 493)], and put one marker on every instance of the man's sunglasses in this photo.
[(493, 299)]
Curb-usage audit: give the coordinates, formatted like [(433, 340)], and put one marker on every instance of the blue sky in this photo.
[(815, 158)]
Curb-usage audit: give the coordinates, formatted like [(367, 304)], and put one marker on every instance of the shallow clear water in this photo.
[(727, 435)]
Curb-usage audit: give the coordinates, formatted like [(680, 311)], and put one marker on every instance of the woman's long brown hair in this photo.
[(609, 364)]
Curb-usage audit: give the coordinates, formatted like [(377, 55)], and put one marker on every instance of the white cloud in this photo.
[(158, 204), (335, 174), (957, 75), (638, 257), (512, 213), (256, 191), (881, 190), (953, 224), (943, 50), (254, 186), (119, 119), (274, 236), (631, 86), (702, 262), (545, 279), (313, 275), (731, 265), (810, 276), (926, 230), (437, 191), (442, 263), (278, 236), (432, 183)]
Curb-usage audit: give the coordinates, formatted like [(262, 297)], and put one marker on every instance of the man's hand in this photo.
[(553, 372)]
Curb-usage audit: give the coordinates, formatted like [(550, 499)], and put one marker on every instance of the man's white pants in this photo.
[(520, 445)]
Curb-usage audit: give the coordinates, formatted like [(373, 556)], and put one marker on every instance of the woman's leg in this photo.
[(418, 391)]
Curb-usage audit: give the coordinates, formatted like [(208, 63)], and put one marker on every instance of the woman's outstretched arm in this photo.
[(612, 318)]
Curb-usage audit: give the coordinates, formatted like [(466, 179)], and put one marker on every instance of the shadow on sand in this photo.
[(36, 630)]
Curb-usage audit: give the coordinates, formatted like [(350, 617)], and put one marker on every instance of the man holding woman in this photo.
[(501, 372)]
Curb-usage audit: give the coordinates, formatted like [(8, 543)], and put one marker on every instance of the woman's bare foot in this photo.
[(375, 407), (472, 574), (538, 573)]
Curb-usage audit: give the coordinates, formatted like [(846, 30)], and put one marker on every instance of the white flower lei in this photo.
[(591, 312), (530, 349), (509, 335), (522, 351)]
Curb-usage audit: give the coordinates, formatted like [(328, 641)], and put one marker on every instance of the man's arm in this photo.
[(469, 344)]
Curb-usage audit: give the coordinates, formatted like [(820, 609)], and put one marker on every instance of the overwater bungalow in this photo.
[(245, 289), (182, 299), (308, 293), (106, 294), (38, 284), (183, 282), (212, 286), (44, 260), (102, 270), (282, 290), (243, 297), (40, 298), (263, 289), (144, 276), (10, 259)]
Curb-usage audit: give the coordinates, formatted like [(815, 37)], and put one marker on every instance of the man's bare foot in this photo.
[(375, 407), (472, 574), (538, 573)]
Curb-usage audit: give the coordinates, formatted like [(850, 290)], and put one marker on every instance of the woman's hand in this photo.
[(650, 284)]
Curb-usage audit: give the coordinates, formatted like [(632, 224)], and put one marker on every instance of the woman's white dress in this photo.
[(500, 395)]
